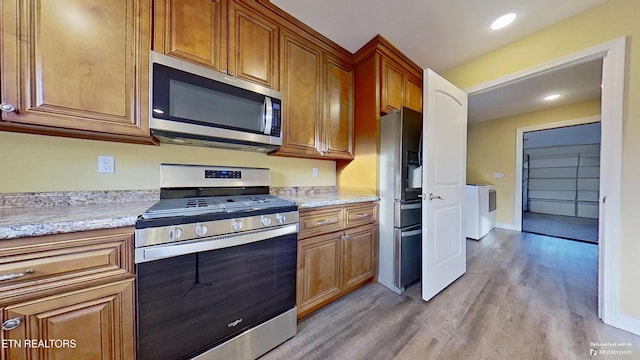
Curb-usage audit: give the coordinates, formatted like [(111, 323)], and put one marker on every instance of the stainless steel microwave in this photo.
[(194, 105)]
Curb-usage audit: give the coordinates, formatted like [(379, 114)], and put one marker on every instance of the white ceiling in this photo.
[(441, 34), (574, 84), (438, 34)]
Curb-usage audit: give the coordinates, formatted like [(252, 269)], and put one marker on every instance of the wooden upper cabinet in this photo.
[(301, 69), (224, 35), (413, 93), (398, 87), (193, 30), (391, 86), (317, 90), (76, 68), (253, 46), (337, 125)]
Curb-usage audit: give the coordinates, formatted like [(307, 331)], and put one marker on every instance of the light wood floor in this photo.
[(524, 296)]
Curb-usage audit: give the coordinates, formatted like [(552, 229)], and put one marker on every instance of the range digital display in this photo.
[(222, 174)]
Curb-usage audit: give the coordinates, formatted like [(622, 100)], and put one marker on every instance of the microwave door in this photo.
[(268, 115)]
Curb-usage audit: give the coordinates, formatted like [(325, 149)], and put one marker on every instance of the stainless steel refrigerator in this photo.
[(400, 179)]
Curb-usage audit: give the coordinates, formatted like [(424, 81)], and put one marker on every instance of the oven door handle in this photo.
[(218, 242)]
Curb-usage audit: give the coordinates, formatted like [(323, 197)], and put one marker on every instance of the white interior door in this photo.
[(444, 250)]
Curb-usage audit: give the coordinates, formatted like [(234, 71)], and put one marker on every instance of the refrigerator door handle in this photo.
[(411, 233), (410, 206)]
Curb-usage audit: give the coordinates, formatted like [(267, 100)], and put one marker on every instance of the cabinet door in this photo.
[(92, 324), (301, 90), (318, 275), (413, 93), (337, 124), (360, 255), (194, 30), (70, 65), (392, 83), (253, 46)]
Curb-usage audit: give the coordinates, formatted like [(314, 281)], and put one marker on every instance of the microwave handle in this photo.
[(268, 115)]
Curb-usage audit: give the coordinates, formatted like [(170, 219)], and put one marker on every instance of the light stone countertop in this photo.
[(71, 216), (328, 199), (47, 220)]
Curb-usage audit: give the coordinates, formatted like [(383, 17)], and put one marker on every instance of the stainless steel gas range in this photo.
[(215, 266)]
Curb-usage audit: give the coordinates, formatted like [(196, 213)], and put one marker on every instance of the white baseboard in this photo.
[(626, 323), (507, 226)]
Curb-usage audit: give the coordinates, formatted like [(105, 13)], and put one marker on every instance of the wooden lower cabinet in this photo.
[(360, 255), (89, 324), (333, 264), (319, 267), (68, 296)]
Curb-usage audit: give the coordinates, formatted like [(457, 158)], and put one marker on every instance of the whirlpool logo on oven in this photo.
[(234, 323)]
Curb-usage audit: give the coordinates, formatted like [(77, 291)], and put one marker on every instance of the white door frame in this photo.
[(613, 54)]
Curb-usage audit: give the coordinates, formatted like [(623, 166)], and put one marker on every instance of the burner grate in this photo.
[(213, 204)]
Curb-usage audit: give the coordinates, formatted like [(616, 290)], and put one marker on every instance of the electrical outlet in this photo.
[(106, 164), (314, 172)]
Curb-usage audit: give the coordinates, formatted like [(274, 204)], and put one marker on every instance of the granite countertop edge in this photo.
[(320, 200), (30, 221), (50, 220)]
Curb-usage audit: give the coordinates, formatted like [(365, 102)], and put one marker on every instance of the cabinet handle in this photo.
[(365, 215), (322, 222), (16, 275), (345, 237), (5, 107), (11, 324), (232, 73)]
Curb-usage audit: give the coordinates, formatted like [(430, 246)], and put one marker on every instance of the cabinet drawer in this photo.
[(41, 263), (361, 214), (317, 222)]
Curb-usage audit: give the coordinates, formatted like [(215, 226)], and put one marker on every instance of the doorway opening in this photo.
[(561, 181), (613, 56)]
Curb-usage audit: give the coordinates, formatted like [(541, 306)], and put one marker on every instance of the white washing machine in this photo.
[(479, 210)]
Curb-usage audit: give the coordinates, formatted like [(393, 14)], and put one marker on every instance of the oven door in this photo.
[(192, 302)]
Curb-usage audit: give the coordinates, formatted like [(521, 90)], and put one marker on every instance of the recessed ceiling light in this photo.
[(551, 97), (503, 21)]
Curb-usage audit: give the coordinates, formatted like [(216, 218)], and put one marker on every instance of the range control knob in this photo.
[(266, 221), (201, 230), (281, 218), (175, 233), (236, 225)]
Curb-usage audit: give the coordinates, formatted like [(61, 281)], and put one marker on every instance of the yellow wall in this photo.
[(605, 22), (491, 148), (30, 163)]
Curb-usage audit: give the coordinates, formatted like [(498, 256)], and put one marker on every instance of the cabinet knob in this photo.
[(7, 107), (11, 324)]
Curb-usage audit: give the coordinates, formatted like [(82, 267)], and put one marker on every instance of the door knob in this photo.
[(432, 197)]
